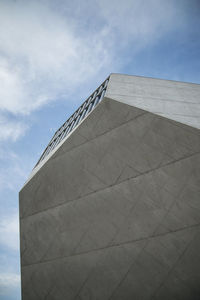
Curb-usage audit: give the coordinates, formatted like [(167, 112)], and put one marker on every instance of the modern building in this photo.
[(111, 211)]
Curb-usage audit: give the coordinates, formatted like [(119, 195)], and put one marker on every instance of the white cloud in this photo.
[(139, 22), (44, 55), (11, 129), (48, 50), (9, 232), (41, 57)]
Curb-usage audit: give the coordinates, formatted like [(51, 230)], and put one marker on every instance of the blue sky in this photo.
[(53, 54)]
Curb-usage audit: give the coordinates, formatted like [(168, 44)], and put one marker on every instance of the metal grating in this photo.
[(80, 114)]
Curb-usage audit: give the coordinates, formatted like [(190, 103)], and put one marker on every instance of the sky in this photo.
[(53, 55)]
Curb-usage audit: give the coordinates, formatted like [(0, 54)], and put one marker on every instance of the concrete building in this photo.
[(112, 209)]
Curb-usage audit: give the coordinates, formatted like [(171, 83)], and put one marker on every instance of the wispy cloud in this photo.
[(8, 282), (44, 55), (11, 129), (139, 21), (42, 58), (9, 231), (9, 260), (13, 170)]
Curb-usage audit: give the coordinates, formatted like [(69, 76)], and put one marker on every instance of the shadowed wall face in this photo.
[(115, 211)]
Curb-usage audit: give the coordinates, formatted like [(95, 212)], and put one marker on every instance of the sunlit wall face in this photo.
[(117, 202)]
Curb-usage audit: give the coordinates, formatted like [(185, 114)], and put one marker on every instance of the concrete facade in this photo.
[(179, 101), (114, 211)]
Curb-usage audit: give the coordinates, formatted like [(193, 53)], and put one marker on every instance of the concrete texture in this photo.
[(179, 101), (114, 213)]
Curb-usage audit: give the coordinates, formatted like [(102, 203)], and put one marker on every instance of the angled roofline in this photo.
[(87, 106), (83, 111), (72, 122), (156, 78)]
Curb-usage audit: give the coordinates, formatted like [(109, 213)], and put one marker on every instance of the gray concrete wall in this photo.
[(115, 212), (179, 101)]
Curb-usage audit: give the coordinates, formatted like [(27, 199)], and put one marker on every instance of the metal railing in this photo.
[(79, 115)]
